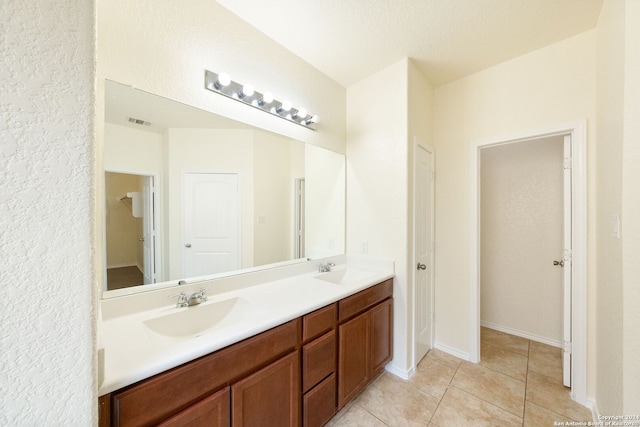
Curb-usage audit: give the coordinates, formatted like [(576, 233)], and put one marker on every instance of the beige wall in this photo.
[(609, 326), (631, 210), (521, 201), (548, 87), (618, 154), (163, 47), (272, 198), (377, 159)]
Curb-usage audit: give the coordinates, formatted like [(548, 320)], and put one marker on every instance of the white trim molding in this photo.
[(398, 372), (578, 132), (452, 351)]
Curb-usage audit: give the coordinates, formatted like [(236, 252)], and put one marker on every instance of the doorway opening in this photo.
[(131, 235), (423, 249), (573, 256)]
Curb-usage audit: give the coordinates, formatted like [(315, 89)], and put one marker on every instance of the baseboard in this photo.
[(521, 334), (452, 351), (123, 265), (591, 404), (399, 372)]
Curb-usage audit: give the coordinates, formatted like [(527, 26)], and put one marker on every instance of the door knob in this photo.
[(141, 239), (187, 245), (421, 266), (560, 263)]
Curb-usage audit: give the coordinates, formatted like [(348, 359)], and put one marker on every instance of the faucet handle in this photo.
[(182, 299), (203, 294)]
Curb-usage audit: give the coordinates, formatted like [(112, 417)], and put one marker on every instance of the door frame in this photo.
[(577, 130), (418, 142)]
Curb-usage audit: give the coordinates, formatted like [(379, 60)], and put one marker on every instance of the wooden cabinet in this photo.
[(365, 342), (300, 372), (318, 366), (353, 358), (160, 397), (212, 411), (270, 397), (381, 331)]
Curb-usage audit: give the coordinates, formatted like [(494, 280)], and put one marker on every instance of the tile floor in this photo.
[(517, 383)]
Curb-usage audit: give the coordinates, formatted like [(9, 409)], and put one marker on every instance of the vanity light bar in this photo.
[(222, 84)]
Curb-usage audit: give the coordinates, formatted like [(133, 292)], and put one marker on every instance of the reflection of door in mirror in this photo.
[(211, 215), (130, 234)]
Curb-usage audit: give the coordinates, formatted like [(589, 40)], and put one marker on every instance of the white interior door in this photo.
[(423, 250), (148, 230), (567, 268), (211, 218)]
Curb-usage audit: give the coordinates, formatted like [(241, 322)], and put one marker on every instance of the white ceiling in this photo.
[(448, 39)]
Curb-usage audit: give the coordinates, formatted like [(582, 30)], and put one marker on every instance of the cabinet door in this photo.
[(213, 411), (353, 357), (381, 330), (270, 397)]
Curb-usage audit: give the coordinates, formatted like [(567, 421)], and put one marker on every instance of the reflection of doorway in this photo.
[(299, 219), (211, 221), (130, 232)]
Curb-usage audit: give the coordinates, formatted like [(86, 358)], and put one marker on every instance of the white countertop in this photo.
[(132, 352)]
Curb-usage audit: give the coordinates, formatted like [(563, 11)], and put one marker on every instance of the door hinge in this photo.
[(567, 347), (567, 255), (567, 162)]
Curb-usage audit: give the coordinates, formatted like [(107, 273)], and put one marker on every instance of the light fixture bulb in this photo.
[(313, 119), (286, 105), (223, 80), (302, 113), (267, 98), (247, 90)]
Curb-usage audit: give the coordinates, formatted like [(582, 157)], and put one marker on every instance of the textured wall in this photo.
[(521, 203), (46, 162)]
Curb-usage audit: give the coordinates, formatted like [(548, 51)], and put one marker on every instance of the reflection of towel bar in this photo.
[(134, 202)]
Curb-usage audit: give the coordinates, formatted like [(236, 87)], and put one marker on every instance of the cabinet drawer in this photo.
[(320, 321), (318, 360), (359, 302), (168, 393), (319, 405)]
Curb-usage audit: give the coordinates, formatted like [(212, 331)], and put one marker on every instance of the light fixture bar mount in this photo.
[(223, 85)]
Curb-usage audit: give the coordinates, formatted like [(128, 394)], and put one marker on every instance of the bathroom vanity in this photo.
[(322, 337)]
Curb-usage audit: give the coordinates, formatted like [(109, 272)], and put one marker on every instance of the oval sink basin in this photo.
[(345, 276), (196, 320)]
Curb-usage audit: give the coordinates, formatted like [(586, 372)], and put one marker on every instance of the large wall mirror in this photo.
[(191, 195)]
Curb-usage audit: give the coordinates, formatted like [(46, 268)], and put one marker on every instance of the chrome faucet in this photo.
[(323, 268), (198, 297), (194, 299)]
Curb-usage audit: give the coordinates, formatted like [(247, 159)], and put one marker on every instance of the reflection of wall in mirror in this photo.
[(325, 221), (264, 162)]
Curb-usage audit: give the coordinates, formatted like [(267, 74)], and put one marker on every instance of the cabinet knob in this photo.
[(422, 266)]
